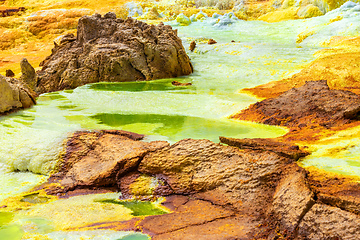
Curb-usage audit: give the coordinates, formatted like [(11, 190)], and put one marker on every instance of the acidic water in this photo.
[(246, 54)]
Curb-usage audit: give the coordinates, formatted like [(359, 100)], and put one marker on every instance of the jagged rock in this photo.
[(95, 159), (216, 191), (292, 199), (225, 175), (190, 213), (14, 95), (314, 103), (326, 222), (9, 73), (113, 50), (192, 46), (28, 74), (337, 191), (266, 144)]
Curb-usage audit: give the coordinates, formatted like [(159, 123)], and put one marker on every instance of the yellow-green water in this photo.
[(31, 140)]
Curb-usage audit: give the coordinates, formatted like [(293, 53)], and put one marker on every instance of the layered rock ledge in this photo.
[(113, 50), (14, 95), (309, 111), (251, 191)]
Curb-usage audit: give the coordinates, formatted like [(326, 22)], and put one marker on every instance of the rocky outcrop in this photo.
[(14, 95), (312, 104), (251, 191), (28, 74), (292, 199), (326, 222), (113, 50), (98, 159), (267, 144), (222, 174)]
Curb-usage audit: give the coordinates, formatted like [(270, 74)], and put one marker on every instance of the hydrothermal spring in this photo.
[(247, 54)]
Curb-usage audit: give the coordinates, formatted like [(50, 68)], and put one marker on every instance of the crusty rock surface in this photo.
[(326, 222), (14, 95), (267, 144), (292, 199), (100, 158), (313, 103), (244, 179), (214, 191), (28, 74), (113, 50)]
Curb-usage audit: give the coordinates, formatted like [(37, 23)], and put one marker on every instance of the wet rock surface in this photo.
[(113, 50), (314, 103), (214, 191), (14, 95)]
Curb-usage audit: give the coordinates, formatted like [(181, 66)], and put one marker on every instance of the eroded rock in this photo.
[(113, 50), (222, 174), (325, 222), (314, 103), (292, 199), (14, 95), (28, 74), (337, 191), (193, 212), (214, 191), (267, 144), (95, 159)]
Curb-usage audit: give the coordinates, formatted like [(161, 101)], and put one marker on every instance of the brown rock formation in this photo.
[(334, 190), (28, 74), (252, 191), (9, 73), (97, 159), (8, 11), (14, 95), (211, 41), (192, 46), (312, 104), (326, 222), (199, 166), (292, 199), (113, 50), (266, 144), (193, 212)]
